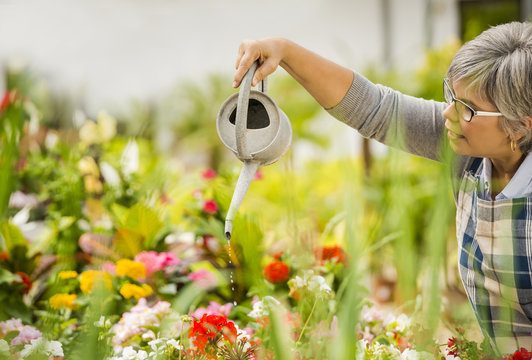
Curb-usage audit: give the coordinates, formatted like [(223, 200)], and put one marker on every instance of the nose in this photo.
[(449, 113)]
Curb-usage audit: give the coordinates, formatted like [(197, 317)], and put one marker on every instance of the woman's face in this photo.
[(482, 136)]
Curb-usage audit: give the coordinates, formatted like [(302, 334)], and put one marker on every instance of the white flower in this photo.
[(260, 308), (311, 282), (44, 347), (54, 348), (109, 174), (409, 354), (175, 344), (130, 158)]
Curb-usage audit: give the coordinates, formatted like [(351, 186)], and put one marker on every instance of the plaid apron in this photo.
[(495, 262)]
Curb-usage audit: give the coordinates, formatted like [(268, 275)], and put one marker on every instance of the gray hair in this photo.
[(498, 65)]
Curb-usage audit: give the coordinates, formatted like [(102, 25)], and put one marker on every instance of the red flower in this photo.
[(211, 327), (4, 255), (210, 207), (276, 272), (208, 174), (5, 101), (521, 354), (333, 252), (25, 280)]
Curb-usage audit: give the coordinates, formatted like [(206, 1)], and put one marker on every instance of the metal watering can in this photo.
[(251, 125)]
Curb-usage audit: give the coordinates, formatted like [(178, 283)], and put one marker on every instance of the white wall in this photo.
[(110, 50)]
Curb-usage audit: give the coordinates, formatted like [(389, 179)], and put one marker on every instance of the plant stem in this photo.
[(306, 322)]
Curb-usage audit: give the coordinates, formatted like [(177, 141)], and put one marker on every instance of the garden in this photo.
[(111, 248)]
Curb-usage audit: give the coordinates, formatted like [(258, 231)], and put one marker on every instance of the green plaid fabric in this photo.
[(495, 262)]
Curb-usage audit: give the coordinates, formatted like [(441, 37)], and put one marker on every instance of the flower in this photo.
[(90, 277), (26, 332), (59, 301), (276, 272), (203, 278), (25, 279), (211, 327), (260, 308), (44, 347), (132, 290), (5, 101), (87, 166), (213, 309), (63, 275), (133, 269), (210, 207), (208, 174), (309, 282), (138, 319), (331, 252), (154, 261)]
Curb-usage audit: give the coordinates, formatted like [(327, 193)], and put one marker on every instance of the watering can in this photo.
[(251, 125)]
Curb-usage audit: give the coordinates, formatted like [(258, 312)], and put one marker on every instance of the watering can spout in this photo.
[(244, 180)]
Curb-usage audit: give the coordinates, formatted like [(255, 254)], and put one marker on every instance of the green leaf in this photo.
[(8, 277), (120, 212), (128, 242), (10, 236), (144, 221)]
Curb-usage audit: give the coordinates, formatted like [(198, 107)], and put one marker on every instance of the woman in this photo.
[(488, 120)]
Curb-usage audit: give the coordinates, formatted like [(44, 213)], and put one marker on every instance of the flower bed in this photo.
[(107, 252)]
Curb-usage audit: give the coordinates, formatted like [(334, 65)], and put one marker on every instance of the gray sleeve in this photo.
[(378, 112)]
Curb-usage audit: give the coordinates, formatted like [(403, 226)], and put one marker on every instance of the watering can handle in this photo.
[(242, 112)]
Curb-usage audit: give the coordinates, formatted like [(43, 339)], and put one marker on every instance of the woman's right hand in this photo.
[(269, 53), (326, 81)]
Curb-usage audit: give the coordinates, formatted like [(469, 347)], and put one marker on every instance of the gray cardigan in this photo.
[(411, 124)]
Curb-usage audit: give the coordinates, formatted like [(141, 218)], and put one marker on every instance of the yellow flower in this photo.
[(87, 166), (132, 290), (133, 269), (90, 277), (67, 274), (92, 184), (59, 301)]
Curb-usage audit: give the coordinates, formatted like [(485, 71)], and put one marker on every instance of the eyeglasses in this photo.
[(464, 110)]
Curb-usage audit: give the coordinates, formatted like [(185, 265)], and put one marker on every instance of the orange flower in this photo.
[(276, 272), (331, 252)]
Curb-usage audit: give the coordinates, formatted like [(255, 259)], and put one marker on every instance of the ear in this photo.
[(528, 125), (529, 118)]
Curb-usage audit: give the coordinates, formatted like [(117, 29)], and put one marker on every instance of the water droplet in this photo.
[(231, 271)]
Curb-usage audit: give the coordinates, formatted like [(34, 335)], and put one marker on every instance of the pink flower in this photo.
[(154, 261), (203, 278), (210, 207), (208, 174), (109, 267), (213, 309), (26, 334), (258, 175)]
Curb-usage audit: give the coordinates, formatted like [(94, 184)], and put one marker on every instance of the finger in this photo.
[(265, 69), (244, 64)]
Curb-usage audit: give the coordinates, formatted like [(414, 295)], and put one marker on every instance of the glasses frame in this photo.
[(447, 86)]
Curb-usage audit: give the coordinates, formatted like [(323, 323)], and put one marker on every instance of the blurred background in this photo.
[(131, 55)]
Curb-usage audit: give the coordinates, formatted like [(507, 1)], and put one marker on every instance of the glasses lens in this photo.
[(464, 111), (447, 93)]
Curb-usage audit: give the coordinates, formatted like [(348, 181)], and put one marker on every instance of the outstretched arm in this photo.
[(325, 80)]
